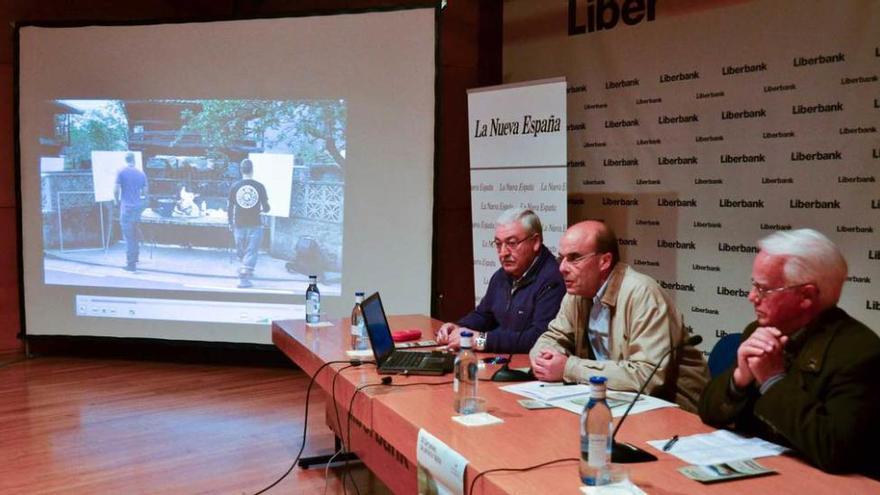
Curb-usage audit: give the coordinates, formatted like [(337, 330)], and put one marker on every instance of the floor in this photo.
[(74, 425)]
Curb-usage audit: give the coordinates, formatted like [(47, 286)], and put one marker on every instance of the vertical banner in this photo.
[(696, 131), (518, 160)]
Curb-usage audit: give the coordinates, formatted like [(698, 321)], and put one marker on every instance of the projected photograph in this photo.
[(202, 195)]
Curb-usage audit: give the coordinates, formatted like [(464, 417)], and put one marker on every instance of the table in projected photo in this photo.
[(386, 421), (210, 230)]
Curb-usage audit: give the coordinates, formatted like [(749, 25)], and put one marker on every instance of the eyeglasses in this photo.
[(574, 259), (510, 244), (762, 292)]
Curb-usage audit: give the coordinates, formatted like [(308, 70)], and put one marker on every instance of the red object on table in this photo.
[(406, 335)]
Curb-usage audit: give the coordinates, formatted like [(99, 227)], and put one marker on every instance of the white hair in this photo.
[(810, 258), (527, 218)]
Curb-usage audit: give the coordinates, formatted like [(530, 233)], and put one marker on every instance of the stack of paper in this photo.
[(574, 397), (718, 447)]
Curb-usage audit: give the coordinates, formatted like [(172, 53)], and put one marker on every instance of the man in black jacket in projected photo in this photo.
[(247, 200)]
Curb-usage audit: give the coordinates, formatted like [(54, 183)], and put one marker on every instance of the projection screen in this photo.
[(333, 115)]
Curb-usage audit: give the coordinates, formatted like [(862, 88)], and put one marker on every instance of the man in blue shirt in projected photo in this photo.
[(247, 200), (131, 193), (523, 295)]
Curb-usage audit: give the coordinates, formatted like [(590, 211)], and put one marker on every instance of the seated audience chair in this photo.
[(723, 355)]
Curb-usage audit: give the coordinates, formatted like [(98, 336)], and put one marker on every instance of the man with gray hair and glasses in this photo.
[(617, 323), (523, 295), (807, 375)]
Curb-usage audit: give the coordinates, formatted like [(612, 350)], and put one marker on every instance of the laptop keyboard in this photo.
[(404, 360)]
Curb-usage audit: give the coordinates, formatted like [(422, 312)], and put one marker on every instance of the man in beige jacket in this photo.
[(615, 322)]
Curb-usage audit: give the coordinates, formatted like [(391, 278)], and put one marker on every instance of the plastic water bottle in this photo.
[(464, 384), (360, 340), (596, 436), (313, 301)]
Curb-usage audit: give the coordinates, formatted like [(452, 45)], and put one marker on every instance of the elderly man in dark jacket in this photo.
[(807, 374), (523, 295)]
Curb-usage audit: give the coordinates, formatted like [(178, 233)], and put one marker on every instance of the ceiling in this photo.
[(19, 11)]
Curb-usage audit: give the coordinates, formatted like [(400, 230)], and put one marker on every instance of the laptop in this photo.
[(390, 361)]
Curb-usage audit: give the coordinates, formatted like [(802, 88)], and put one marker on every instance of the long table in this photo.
[(386, 420)]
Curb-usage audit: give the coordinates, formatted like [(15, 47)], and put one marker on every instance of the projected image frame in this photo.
[(354, 57), (190, 152)]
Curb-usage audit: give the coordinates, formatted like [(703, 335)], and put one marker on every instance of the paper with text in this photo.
[(718, 447), (441, 469), (573, 397)]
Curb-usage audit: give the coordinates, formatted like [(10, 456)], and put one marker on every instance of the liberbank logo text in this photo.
[(587, 16)]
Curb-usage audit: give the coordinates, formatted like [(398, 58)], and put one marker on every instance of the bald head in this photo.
[(595, 237), (588, 252)]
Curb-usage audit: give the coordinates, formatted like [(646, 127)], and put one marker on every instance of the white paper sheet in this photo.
[(573, 398), (477, 419), (441, 469), (546, 391), (625, 487), (717, 447), (617, 402), (320, 324), (359, 354)]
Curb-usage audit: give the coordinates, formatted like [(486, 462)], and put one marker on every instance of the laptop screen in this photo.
[(377, 328)]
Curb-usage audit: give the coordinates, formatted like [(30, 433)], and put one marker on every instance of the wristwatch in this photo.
[(480, 341)]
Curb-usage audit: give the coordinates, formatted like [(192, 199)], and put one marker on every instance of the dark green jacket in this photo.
[(828, 405)]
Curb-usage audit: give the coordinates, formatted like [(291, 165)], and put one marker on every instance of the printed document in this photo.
[(718, 447), (573, 397)]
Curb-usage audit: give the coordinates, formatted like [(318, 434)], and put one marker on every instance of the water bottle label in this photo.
[(312, 304), (455, 384), (597, 450), (357, 330), (472, 371)]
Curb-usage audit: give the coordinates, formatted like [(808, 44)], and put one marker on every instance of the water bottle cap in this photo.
[(356, 294), (467, 333), (313, 277), (597, 387)]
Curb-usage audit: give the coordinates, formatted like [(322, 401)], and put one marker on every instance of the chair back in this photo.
[(723, 355)]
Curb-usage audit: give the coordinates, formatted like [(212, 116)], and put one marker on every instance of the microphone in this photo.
[(625, 453), (505, 374)]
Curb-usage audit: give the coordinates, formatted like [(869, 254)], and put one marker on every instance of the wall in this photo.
[(9, 259), (696, 132)]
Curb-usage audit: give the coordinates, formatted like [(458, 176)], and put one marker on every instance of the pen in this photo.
[(563, 384), (670, 443)]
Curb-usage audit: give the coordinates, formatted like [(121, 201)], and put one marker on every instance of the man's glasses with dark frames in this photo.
[(510, 244)]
